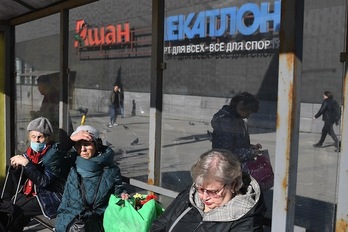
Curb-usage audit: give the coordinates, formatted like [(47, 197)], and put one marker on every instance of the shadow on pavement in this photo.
[(312, 214)]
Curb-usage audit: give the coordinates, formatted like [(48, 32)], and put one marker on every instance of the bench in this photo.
[(48, 223), (130, 186)]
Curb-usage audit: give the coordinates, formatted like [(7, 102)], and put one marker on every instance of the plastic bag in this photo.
[(121, 216), (261, 169)]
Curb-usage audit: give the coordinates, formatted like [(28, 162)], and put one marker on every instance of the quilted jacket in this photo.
[(231, 133), (89, 171)]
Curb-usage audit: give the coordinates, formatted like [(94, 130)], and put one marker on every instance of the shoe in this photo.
[(110, 125), (338, 148), (317, 145), (115, 124)]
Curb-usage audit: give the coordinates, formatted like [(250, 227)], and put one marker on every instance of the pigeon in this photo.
[(125, 127), (191, 123), (136, 141)]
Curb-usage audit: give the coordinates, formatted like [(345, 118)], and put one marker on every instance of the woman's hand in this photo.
[(124, 196), (255, 150), (81, 135), (18, 160), (256, 146)]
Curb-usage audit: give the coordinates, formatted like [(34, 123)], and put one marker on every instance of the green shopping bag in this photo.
[(121, 216)]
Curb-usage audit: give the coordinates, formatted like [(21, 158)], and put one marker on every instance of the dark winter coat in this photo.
[(90, 171), (48, 184), (231, 133), (243, 213), (116, 99), (330, 111)]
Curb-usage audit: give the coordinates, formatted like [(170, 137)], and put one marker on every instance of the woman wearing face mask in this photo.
[(41, 189)]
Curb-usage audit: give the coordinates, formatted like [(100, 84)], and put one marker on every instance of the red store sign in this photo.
[(109, 35)]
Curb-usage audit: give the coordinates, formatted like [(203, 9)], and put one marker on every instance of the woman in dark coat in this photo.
[(330, 111), (41, 186), (218, 200), (94, 163), (231, 130)]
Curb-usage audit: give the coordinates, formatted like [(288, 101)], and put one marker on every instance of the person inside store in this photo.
[(50, 104), (230, 129), (116, 102), (93, 177), (36, 177), (220, 199), (331, 114)]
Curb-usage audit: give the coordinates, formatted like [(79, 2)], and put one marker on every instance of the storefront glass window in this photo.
[(37, 60), (203, 74), (323, 41), (107, 49), (215, 52)]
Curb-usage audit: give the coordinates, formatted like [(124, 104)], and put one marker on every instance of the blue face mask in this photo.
[(37, 146)]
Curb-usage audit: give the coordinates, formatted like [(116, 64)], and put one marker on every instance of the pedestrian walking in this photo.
[(331, 114), (115, 105)]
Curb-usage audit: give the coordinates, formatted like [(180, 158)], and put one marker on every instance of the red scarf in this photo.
[(35, 158)]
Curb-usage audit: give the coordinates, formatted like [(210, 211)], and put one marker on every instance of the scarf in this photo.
[(88, 168), (34, 157)]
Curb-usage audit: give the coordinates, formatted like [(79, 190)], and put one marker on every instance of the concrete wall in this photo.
[(176, 106)]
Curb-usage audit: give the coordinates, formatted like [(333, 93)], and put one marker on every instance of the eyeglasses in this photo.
[(210, 193)]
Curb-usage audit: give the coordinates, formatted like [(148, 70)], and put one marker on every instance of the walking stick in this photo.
[(19, 183)]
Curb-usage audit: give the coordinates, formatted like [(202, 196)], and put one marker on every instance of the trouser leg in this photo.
[(333, 135), (112, 114), (324, 131), (122, 110), (116, 113), (24, 209)]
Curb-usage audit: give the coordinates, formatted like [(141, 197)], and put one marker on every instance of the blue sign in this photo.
[(224, 21)]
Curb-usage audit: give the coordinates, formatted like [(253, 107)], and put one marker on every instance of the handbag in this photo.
[(87, 220), (86, 224), (121, 216), (261, 170)]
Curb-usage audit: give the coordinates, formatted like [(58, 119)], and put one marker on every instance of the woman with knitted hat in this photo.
[(41, 190), (93, 172)]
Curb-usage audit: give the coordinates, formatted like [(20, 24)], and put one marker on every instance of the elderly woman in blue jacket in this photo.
[(94, 166), (42, 187)]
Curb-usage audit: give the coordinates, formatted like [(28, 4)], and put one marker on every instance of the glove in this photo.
[(255, 153)]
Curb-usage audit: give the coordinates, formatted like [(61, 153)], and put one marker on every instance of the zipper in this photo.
[(199, 225), (37, 198)]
